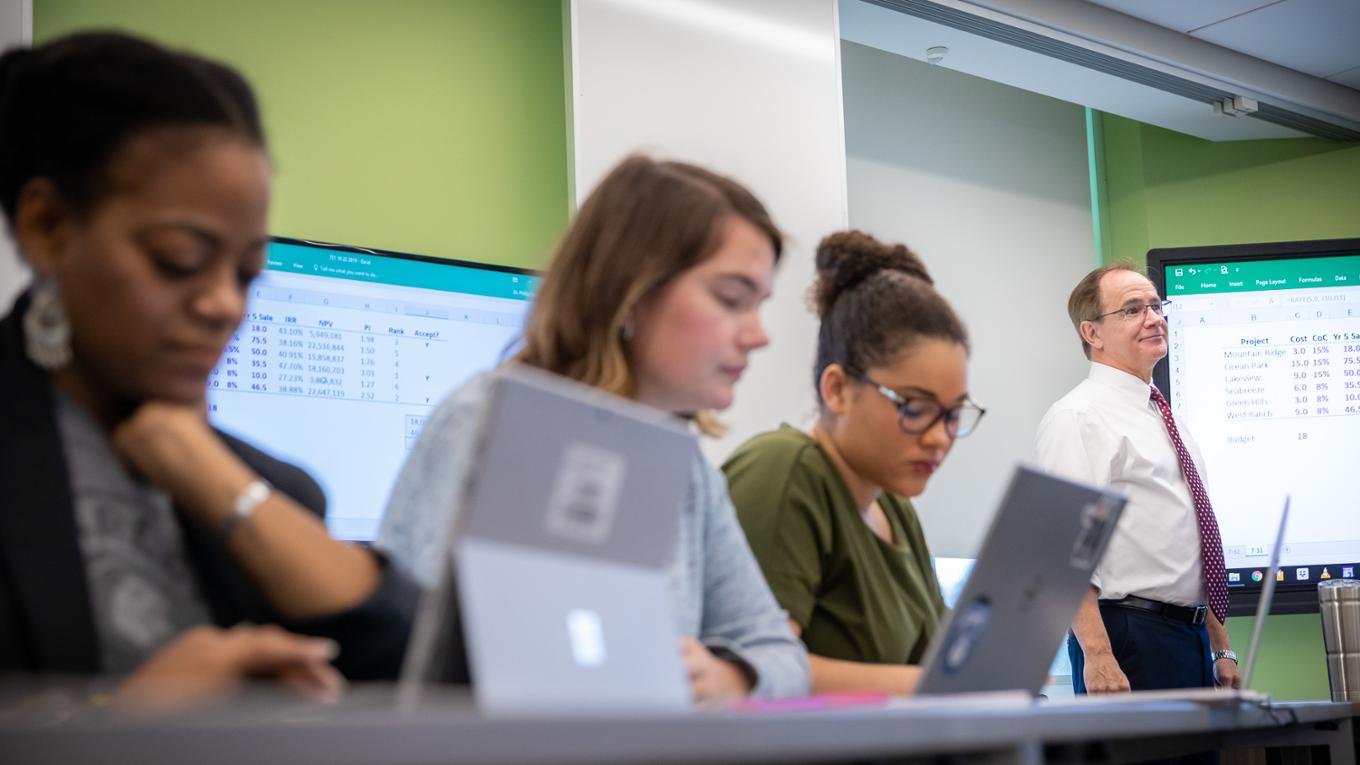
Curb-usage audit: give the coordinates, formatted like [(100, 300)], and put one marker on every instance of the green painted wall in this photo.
[(1292, 662), (1165, 189), (429, 126)]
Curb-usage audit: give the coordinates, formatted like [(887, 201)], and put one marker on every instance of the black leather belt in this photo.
[(1188, 614)]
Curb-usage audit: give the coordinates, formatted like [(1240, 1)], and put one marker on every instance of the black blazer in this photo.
[(46, 619)]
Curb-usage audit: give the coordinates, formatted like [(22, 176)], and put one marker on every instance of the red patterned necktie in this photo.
[(1210, 543)]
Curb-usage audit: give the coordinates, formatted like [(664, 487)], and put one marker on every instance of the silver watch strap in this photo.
[(250, 498)]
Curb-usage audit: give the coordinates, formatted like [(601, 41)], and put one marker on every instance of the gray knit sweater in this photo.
[(719, 594)]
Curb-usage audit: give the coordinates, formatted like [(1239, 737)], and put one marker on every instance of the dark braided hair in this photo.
[(875, 301), (67, 108)]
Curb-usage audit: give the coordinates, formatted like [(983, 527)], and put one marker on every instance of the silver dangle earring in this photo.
[(46, 331)]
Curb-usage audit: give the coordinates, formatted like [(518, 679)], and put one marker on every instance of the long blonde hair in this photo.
[(647, 222)]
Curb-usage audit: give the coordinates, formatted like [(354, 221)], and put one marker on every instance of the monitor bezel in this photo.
[(1290, 597), (362, 250)]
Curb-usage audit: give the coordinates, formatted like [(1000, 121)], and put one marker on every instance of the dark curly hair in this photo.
[(875, 300), (68, 107)]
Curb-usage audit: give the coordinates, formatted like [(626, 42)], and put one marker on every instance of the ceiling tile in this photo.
[(1181, 15), (905, 35), (1317, 37), (1350, 78)]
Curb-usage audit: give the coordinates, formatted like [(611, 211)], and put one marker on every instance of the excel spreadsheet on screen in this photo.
[(343, 354), (1264, 367)]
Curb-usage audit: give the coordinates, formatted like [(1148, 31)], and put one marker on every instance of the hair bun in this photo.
[(846, 258)]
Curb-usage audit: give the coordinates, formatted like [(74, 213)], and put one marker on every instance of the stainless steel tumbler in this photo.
[(1339, 603)]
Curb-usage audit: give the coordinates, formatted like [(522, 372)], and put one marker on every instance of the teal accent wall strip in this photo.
[(1095, 162)]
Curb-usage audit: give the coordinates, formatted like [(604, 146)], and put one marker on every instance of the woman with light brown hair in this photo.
[(653, 295)]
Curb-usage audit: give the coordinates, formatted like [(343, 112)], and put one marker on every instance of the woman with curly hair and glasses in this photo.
[(827, 511)]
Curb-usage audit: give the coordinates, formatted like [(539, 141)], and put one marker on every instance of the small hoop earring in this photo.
[(47, 333), (627, 330)]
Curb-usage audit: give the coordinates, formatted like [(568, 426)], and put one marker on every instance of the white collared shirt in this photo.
[(1108, 432)]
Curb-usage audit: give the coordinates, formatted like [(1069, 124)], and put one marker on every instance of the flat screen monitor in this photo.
[(345, 351), (1264, 369)]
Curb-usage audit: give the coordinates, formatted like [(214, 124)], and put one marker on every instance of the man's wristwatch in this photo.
[(1227, 653)]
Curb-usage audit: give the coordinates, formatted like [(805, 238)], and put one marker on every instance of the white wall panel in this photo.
[(750, 88), (988, 184)]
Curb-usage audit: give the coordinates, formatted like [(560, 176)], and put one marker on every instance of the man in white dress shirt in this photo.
[(1153, 617)]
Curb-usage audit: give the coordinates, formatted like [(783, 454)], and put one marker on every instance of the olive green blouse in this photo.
[(855, 596)]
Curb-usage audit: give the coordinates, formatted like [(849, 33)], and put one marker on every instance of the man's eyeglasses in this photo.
[(1131, 312), (918, 414)]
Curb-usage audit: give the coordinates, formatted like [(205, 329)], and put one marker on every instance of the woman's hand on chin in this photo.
[(173, 446)]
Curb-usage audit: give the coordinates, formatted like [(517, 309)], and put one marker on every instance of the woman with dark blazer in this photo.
[(135, 540)]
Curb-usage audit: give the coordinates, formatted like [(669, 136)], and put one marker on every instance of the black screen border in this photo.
[(362, 250), (1290, 597)]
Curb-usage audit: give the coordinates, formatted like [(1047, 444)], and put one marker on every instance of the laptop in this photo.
[(554, 595), (1029, 580), (1230, 696)]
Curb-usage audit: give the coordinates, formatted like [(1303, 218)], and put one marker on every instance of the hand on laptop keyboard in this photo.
[(711, 678)]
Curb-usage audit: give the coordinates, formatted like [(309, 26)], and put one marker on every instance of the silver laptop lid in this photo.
[(563, 466), (1030, 577), (562, 471)]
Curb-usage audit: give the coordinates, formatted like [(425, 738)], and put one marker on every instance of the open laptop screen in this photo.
[(953, 575)]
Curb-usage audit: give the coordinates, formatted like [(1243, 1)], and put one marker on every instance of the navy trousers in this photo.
[(1154, 653)]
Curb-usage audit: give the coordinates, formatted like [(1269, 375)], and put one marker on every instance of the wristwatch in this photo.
[(1227, 653), (250, 498)]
